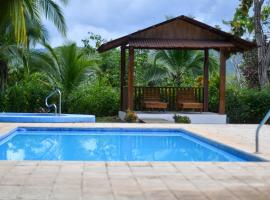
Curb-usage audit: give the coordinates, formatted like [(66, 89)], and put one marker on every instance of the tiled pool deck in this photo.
[(143, 180)]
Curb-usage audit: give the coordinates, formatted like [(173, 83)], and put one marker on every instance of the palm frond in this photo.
[(36, 31), (14, 14), (17, 15), (54, 13), (176, 63), (156, 73)]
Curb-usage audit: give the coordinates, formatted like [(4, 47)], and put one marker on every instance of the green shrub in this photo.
[(27, 95), (181, 119), (214, 93), (98, 99), (247, 105), (242, 105)]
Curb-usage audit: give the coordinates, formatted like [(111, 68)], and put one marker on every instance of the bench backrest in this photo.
[(151, 94), (186, 95)]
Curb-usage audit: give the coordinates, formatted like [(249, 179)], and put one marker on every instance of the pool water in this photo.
[(45, 118), (113, 145)]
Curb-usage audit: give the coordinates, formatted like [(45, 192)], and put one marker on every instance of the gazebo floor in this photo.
[(167, 116)]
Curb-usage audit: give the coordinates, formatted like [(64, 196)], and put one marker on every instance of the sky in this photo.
[(114, 18)]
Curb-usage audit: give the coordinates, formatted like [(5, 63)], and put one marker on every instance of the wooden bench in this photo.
[(151, 99), (186, 99)]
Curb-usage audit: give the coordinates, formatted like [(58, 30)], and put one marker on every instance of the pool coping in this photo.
[(217, 144), (11, 117)]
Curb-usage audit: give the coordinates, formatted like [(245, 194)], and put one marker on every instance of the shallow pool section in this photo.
[(114, 145), (45, 118)]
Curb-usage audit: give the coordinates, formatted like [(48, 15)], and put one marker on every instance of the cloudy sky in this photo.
[(114, 18)]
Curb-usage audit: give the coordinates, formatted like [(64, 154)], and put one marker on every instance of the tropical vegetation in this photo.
[(251, 19), (175, 65), (90, 81)]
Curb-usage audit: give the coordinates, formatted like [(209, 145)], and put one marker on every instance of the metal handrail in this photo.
[(267, 116), (57, 91)]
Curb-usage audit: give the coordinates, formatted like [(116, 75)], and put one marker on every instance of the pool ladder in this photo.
[(58, 92), (265, 119)]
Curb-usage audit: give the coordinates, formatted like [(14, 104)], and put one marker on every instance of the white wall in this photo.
[(196, 118)]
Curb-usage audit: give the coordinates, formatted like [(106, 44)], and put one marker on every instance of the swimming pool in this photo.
[(108, 144), (45, 118)]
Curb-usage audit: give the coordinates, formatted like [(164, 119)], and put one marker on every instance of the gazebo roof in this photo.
[(180, 33)]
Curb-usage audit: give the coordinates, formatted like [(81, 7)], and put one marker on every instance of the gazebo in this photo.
[(178, 33)]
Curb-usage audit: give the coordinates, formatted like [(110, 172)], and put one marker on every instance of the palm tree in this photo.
[(174, 64), (66, 67), (21, 26), (14, 15)]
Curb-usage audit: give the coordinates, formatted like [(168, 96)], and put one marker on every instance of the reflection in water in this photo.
[(89, 145), (107, 147), (14, 154)]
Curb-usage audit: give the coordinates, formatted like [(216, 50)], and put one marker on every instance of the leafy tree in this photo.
[(108, 63), (143, 61), (255, 23), (249, 69)]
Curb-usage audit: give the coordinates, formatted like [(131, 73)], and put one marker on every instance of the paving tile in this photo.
[(68, 180), (119, 171), (116, 164), (159, 195), (90, 168), (9, 192), (151, 184), (127, 191), (34, 193), (13, 180), (22, 170), (143, 171), (189, 195), (94, 164), (162, 164), (248, 193), (178, 184), (44, 181), (139, 164), (130, 197), (143, 180), (90, 196), (119, 183), (221, 195), (27, 163), (95, 174), (66, 192)]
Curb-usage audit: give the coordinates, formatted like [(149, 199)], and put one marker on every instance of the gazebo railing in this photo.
[(167, 94)]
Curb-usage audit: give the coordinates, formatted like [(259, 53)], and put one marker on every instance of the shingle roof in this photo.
[(180, 32), (174, 44)]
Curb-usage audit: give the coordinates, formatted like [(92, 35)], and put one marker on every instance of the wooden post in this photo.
[(222, 82), (130, 77), (206, 80), (122, 77)]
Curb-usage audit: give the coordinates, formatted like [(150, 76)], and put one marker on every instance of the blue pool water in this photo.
[(114, 145), (45, 118)]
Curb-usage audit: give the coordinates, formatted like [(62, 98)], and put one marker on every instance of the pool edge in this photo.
[(249, 157)]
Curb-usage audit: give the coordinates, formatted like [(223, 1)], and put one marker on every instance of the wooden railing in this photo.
[(167, 94)]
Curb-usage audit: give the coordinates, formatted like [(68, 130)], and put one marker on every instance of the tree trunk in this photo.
[(263, 51), (3, 74)]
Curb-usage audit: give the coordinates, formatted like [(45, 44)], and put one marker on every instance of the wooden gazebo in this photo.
[(178, 33)]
